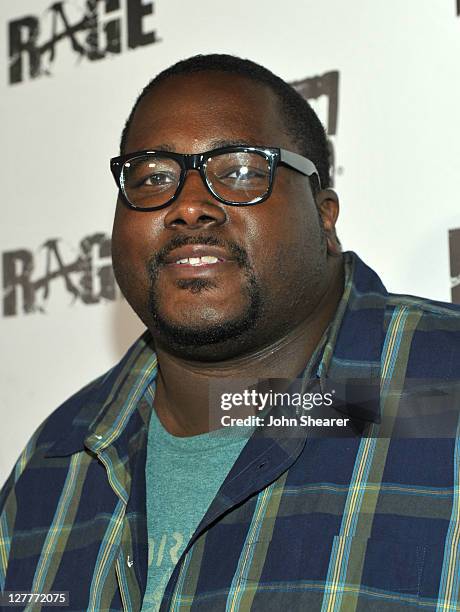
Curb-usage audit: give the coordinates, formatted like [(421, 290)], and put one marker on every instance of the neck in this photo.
[(186, 388)]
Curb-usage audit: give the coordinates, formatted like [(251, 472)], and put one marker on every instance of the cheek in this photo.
[(134, 231), (284, 237), (133, 244)]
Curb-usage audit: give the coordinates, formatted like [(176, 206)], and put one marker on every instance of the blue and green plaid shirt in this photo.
[(369, 521)]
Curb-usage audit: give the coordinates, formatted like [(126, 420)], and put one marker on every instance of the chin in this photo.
[(205, 331), (209, 339), (205, 352)]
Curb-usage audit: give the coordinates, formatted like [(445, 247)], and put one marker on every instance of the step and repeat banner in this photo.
[(384, 77)]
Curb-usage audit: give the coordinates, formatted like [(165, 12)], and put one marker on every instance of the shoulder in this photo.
[(423, 333), (76, 412), (433, 331), (430, 309), (430, 315), (69, 423)]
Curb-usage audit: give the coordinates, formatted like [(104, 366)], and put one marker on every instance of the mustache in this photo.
[(238, 253)]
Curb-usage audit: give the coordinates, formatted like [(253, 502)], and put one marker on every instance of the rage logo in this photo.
[(87, 277), (91, 30)]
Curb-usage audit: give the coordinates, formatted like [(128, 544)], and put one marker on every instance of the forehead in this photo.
[(191, 113)]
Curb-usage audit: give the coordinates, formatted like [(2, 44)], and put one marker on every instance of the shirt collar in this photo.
[(351, 360), (115, 397)]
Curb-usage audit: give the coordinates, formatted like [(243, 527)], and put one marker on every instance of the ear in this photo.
[(327, 202)]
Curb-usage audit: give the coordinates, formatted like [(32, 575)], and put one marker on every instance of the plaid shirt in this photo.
[(364, 522)]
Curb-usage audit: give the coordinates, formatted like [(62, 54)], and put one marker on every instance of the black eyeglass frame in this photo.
[(198, 161)]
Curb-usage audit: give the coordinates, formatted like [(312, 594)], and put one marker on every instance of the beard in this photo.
[(179, 336)]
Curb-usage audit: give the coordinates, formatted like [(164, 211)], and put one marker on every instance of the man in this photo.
[(135, 495)]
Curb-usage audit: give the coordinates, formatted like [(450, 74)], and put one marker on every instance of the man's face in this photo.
[(272, 269)]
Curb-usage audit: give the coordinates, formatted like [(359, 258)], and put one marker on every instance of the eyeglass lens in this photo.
[(240, 177)]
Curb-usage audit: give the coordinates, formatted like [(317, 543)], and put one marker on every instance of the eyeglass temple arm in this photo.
[(299, 163)]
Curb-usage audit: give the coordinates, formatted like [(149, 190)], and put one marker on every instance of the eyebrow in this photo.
[(214, 144)]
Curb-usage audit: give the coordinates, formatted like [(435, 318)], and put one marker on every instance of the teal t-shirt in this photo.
[(183, 476)]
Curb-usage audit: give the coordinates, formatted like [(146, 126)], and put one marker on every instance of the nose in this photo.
[(195, 206)]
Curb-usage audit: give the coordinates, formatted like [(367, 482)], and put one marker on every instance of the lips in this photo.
[(199, 261), (197, 255)]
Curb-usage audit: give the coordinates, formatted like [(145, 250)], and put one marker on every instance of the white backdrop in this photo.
[(397, 159)]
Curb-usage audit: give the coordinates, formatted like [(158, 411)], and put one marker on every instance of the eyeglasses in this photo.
[(234, 175)]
